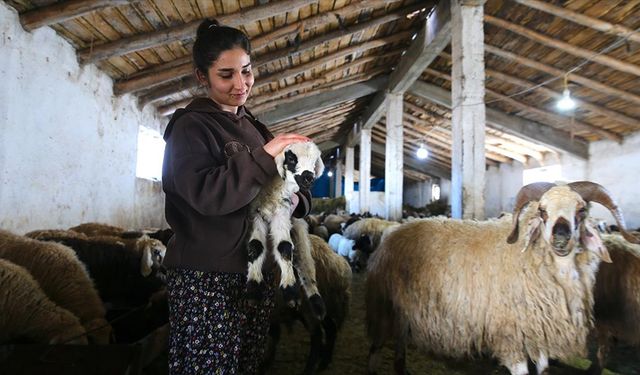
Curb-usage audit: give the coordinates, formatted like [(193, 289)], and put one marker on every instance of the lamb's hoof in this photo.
[(255, 292), (289, 295), (317, 306)]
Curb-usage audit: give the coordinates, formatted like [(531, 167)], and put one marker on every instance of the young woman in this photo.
[(216, 160)]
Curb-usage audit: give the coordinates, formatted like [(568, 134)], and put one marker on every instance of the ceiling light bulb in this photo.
[(422, 152), (566, 103), (329, 173)]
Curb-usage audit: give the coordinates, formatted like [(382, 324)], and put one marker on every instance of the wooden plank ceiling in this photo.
[(327, 59)]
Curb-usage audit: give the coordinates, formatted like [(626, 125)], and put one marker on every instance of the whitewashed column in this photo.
[(468, 109), (393, 162), (338, 177), (365, 169), (348, 177)]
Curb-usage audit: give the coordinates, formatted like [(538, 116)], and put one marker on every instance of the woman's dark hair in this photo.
[(213, 39)]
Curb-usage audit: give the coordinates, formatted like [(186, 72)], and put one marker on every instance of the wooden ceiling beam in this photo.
[(586, 82), (186, 31), (560, 121), (64, 11), (326, 99), (521, 127), (584, 20), (433, 37), (605, 60)]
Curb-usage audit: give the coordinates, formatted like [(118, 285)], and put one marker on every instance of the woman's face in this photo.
[(230, 79)]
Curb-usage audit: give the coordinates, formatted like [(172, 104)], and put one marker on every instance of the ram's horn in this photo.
[(593, 192), (528, 193)]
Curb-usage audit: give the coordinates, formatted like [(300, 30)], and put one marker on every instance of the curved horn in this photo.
[(593, 192), (528, 193)]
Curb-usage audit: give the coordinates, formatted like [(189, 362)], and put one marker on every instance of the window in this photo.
[(150, 154), (550, 173), (435, 193)]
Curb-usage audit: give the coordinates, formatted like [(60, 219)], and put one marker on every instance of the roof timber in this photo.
[(510, 124), (63, 11), (157, 76), (560, 121), (564, 46), (322, 100), (186, 31), (594, 23), (586, 82), (434, 36)]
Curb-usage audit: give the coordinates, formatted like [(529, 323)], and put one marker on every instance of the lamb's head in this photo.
[(300, 164), (561, 218)]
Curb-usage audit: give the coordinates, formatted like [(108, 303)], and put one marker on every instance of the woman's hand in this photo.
[(277, 144)]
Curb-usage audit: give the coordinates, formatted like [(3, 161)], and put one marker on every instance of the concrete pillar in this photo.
[(365, 169), (468, 114), (338, 178), (393, 161), (348, 177)]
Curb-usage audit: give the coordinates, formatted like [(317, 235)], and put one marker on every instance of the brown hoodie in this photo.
[(214, 166)]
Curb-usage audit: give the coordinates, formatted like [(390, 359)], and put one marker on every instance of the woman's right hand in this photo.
[(277, 144)]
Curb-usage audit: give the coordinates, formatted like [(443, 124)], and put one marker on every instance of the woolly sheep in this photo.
[(269, 214), (27, 313), (321, 231), (457, 288), (617, 298), (62, 277), (333, 275), (372, 228), (125, 271), (334, 223)]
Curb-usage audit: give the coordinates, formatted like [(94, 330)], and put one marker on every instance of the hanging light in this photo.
[(422, 152), (329, 173), (566, 103)]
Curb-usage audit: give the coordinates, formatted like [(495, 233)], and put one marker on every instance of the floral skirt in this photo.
[(213, 330)]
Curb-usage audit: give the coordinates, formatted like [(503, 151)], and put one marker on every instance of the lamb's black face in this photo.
[(305, 180), (290, 161)]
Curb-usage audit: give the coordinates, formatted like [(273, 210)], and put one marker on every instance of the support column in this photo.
[(365, 169), (348, 177), (468, 109), (393, 162), (338, 178)]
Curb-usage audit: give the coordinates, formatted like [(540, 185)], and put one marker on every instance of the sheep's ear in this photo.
[(591, 241), (533, 232), (279, 159), (146, 262), (319, 167)]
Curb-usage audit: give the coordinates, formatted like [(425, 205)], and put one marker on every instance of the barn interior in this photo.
[(420, 108)]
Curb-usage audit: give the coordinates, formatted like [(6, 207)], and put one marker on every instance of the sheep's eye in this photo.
[(581, 214)]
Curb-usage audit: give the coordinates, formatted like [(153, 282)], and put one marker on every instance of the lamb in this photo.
[(334, 223), (269, 213), (334, 282), (456, 288), (126, 272), (617, 299), (27, 313), (62, 277)]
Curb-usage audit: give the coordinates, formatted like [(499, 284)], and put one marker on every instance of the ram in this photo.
[(462, 287)]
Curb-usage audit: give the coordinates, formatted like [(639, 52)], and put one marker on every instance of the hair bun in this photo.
[(207, 25)]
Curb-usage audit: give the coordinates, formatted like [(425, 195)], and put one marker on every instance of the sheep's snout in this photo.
[(561, 237), (305, 179)]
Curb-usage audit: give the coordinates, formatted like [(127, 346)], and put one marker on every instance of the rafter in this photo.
[(64, 11), (584, 20), (564, 46)]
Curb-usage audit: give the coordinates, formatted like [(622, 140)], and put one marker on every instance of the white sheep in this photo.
[(62, 277), (27, 313), (299, 164), (455, 287), (617, 299)]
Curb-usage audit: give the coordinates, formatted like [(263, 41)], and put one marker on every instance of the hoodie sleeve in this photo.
[(210, 186), (304, 205)]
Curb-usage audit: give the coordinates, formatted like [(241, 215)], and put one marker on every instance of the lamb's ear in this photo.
[(533, 232), (591, 241), (319, 167), (279, 159)]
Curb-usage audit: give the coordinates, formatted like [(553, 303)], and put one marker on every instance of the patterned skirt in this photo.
[(213, 330)]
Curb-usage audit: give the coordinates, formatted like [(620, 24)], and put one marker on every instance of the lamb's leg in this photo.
[(257, 254), (604, 342), (519, 368), (542, 364), (283, 253), (314, 349), (305, 265)]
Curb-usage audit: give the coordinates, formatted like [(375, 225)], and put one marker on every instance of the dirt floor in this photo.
[(350, 356)]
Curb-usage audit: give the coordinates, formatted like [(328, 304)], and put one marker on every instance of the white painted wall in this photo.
[(501, 188), (418, 193), (67, 145), (376, 204)]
